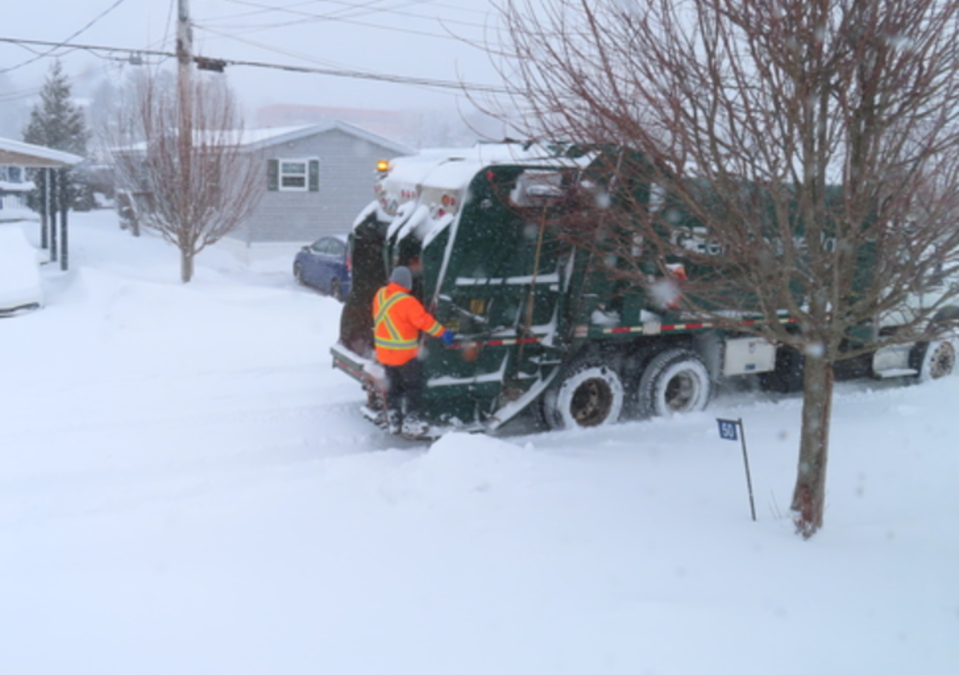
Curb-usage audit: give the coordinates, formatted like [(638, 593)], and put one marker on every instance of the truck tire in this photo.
[(674, 381), (938, 360), (590, 394)]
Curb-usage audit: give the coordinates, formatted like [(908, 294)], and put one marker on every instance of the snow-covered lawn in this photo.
[(20, 286), (187, 487)]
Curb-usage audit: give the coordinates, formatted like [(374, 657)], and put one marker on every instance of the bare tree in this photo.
[(798, 157), (195, 181)]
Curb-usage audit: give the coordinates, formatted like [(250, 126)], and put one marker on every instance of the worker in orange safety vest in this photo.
[(398, 318)]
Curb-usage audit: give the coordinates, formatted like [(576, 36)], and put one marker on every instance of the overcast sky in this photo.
[(408, 38)]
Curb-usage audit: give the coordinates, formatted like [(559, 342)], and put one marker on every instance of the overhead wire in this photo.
[(219, 31), (345, 6), (64, 43), (283, 52), (335, 69), (334, 72), (261, 9), (341, 13), (17, 95), (344, 13), (354, 8)]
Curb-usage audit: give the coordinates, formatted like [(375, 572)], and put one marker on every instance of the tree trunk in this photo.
[(810, 492), (186, 265)]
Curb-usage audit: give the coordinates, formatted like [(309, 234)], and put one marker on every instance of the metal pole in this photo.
[(45, 208), (64, 207), (749, 480), (52, 203)]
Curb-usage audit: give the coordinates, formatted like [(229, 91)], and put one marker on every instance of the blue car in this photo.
[(325, 265)]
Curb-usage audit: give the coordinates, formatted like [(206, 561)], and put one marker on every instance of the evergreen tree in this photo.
[(58, 123)]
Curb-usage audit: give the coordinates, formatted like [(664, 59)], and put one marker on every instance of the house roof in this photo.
[(256, 139), (17, 153)]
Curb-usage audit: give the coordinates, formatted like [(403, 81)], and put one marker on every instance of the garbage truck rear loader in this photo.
[(540, 323)]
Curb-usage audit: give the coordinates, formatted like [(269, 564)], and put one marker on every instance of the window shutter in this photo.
[(314, 172), (273, 175)]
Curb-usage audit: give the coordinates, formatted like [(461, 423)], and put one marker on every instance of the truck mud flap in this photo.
[(359, 368)]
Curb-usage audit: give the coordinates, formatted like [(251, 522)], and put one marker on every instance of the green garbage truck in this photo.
[(540, 326)]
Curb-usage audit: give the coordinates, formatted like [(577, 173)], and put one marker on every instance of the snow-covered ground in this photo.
[(20, 285), (186, 486)]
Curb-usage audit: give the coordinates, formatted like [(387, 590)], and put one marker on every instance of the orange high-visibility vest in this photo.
[(398, 318)]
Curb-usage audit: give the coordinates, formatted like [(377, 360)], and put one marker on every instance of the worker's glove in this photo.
[(447, 338)]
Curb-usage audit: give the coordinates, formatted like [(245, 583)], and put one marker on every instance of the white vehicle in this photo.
[(20, 288)]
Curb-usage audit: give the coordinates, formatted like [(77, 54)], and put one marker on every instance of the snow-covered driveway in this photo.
[(186, 486)]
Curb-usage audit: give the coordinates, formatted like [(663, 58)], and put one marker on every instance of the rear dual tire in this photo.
[(674, 381), (589, 395), (592, 394)]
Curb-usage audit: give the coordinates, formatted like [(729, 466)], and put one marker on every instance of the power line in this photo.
[(283, 52), (17, 95), (305, 17), (207, 62), (344, 13), (60, 45), (302, 57)]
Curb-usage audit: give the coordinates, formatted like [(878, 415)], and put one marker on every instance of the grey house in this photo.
[(316, 179)]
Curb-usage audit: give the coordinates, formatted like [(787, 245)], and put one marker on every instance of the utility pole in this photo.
[(184, 57)]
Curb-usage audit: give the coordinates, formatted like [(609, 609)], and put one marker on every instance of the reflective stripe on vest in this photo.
[(383, 318)]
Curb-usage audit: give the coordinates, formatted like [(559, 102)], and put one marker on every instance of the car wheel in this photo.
[(675, 381), (335, 290), (588, 395), (298, 273)]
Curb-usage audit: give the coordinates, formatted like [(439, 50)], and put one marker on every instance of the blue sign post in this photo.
[(732, 430), (729, 429)]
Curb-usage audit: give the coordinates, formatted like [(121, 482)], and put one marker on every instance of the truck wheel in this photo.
[(938, 361), (675, 381), (589, 395)]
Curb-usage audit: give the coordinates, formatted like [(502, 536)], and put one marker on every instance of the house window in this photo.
[(293, 175)]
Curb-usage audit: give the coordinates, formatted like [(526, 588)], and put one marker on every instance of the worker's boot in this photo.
[(414, 427), (394, 421)]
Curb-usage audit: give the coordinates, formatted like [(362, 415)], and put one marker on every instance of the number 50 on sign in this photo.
[(728, 429)]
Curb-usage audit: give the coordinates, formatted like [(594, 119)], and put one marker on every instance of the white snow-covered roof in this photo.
[(255, 139), (258, 139), (18, 153)]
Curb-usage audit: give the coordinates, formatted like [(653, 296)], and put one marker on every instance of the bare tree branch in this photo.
[(795, 156), (194, 187)]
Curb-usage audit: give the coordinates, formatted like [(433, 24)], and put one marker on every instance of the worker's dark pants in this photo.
[(404, 382)]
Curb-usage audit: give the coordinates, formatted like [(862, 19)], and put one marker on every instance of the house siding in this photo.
[(346, 178)]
